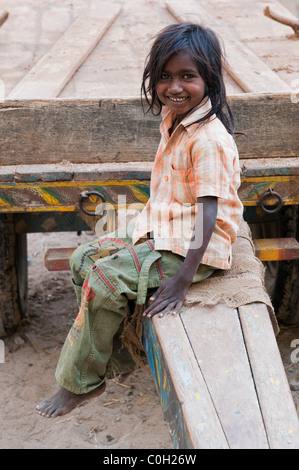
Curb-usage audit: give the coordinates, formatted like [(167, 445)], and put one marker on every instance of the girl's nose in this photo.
[(175, 86)]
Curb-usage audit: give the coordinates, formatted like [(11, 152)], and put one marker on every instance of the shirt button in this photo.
[(168, 150), (166, 178)]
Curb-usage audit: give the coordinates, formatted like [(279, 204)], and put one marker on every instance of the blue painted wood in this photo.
[(168, 398)]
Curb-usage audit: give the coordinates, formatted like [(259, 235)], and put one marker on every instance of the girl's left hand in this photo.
[(168, 298)]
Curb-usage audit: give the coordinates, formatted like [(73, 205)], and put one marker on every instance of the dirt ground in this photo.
[(126, 416)]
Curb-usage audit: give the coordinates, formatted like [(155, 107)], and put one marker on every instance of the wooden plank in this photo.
[(130, 179), (276, 402), (28, 196), (252, 189), (250, 169), (16, 194), (58, 259), (265, 167), (276, 249), (248, 70), (216, 338), (86, 131), (53, 71), (185, 400), (78, 131), (266, 249)]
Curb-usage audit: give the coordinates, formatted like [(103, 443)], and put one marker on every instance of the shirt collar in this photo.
[(195, 114)]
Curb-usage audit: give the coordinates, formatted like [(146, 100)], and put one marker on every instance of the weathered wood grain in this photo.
[(220, 378), (276, 402), (185, 399), (88, 131), (76, 131), (53, 71), (216, 338)]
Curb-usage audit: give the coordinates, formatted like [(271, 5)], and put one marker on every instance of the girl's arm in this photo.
[(170, 296)]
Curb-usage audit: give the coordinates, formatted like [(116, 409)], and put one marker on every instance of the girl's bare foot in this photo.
[(65, 401)]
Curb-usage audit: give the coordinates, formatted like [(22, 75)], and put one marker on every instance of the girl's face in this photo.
[(180, 86)]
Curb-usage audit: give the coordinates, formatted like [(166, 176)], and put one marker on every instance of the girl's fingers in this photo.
[(162, 309), (174, 310), (169, 310), (156, 294), (153, 309)]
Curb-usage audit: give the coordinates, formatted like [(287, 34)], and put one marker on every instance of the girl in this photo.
[(186, 229)]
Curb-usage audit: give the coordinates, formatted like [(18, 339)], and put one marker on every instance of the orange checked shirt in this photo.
[(198, 159)]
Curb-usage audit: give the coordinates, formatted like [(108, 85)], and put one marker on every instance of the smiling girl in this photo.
[(197, 161), (183, 234)]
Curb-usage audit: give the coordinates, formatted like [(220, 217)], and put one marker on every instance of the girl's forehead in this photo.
[(181, 60)]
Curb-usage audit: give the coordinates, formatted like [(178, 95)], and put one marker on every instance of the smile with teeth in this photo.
[(177, 100)]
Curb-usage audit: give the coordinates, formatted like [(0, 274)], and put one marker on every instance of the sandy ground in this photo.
[(126, 416)]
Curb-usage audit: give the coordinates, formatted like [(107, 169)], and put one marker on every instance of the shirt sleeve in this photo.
[(213, 165)]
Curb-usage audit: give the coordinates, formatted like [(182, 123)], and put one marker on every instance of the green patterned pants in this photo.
[(107, 273)]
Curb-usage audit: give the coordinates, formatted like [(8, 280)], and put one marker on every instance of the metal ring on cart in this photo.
[(277, 207), (84, 196)]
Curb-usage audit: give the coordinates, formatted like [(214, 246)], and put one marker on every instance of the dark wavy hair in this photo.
[(205, 49)]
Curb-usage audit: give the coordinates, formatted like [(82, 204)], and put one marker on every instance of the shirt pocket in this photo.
[(183, 185)]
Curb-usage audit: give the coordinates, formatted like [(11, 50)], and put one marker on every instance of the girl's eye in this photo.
[(186, 76)]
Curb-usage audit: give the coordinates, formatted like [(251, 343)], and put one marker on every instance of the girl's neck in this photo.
[(174, 126)]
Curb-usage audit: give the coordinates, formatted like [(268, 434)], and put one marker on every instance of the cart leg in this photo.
[(13, 275)]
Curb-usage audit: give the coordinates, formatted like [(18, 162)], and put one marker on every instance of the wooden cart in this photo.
[(73, 135)]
